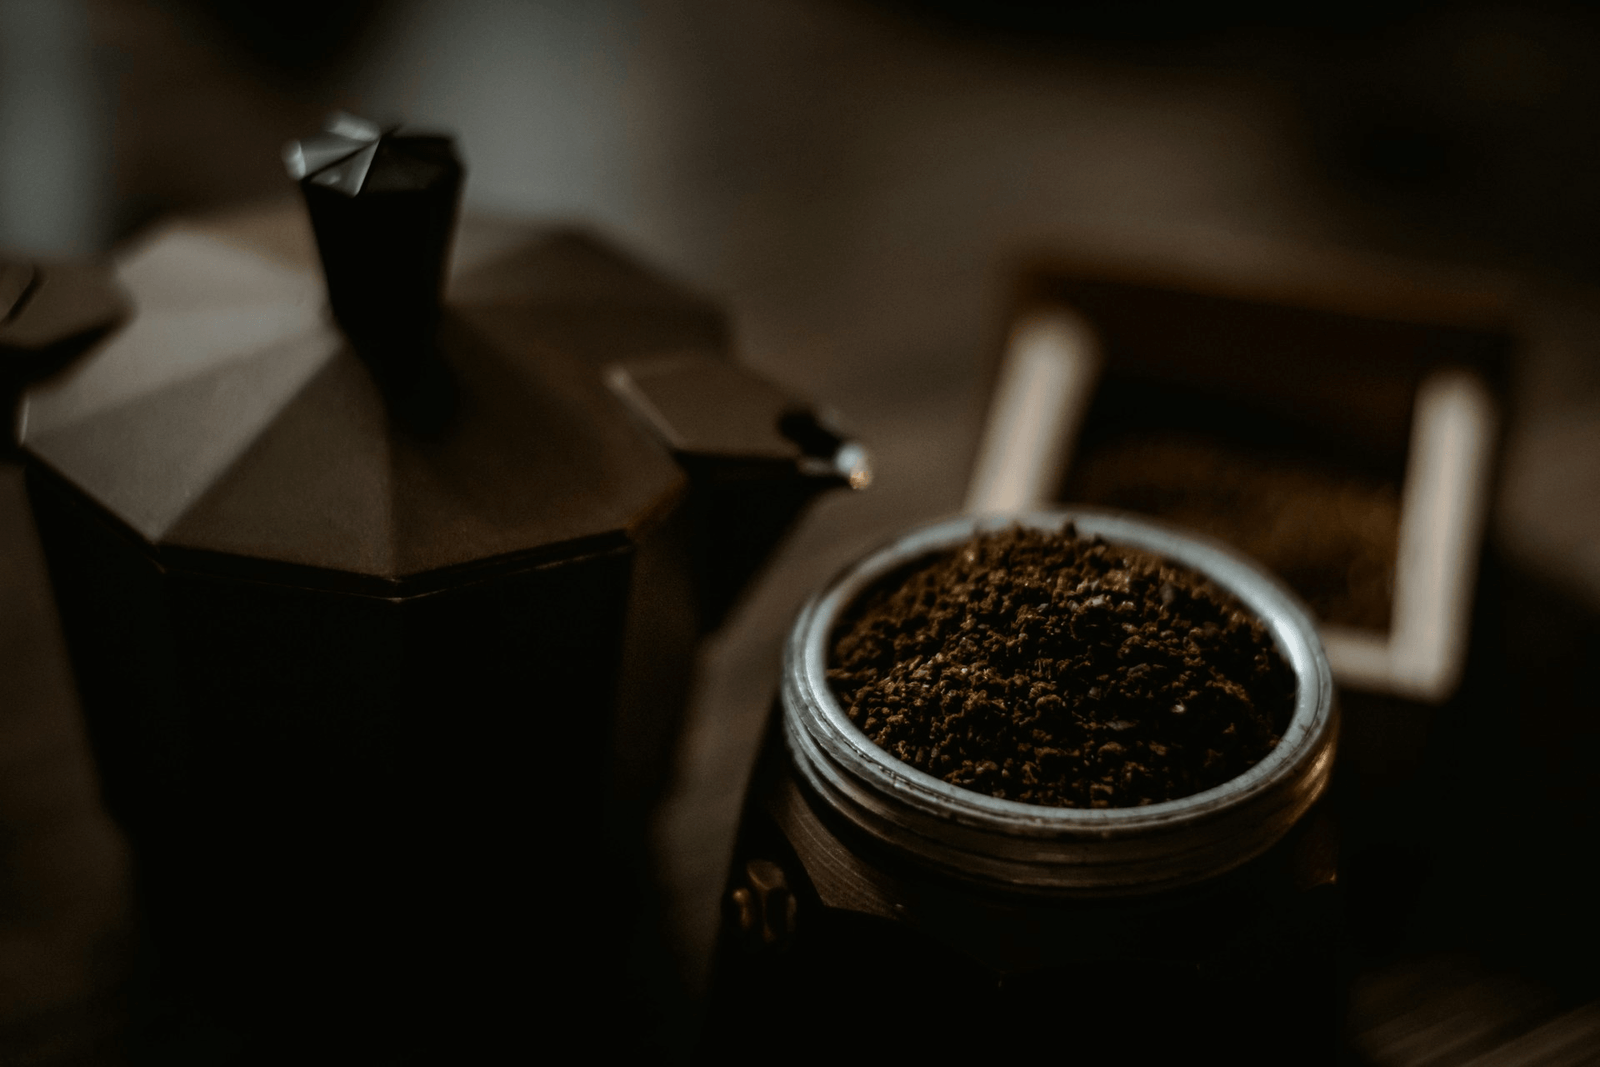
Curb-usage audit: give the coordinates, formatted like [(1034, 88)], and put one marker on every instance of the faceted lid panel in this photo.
[(147, 422), (570, 290), (230, 418)]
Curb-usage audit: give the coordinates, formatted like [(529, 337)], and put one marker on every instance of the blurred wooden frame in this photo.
[(1049, 370)]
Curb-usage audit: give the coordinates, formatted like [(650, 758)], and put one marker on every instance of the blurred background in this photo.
[(857, 183)]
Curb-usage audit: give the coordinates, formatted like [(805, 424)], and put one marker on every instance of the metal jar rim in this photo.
[(1078, 851)]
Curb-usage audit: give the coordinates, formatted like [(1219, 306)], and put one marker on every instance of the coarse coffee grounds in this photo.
[(1065, 671)]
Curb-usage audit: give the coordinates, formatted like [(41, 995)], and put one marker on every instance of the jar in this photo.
[(924, 918)]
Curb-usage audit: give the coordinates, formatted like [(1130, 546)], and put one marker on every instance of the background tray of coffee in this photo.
[(1336, 423)]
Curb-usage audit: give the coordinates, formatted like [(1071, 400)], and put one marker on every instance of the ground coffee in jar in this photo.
[(1043, 667), (980, 902)]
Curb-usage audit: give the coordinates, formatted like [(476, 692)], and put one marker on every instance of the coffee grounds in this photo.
[(1332, 534), (1063, 671)]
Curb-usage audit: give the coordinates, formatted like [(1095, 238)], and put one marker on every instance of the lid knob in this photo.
[(383, 206)]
